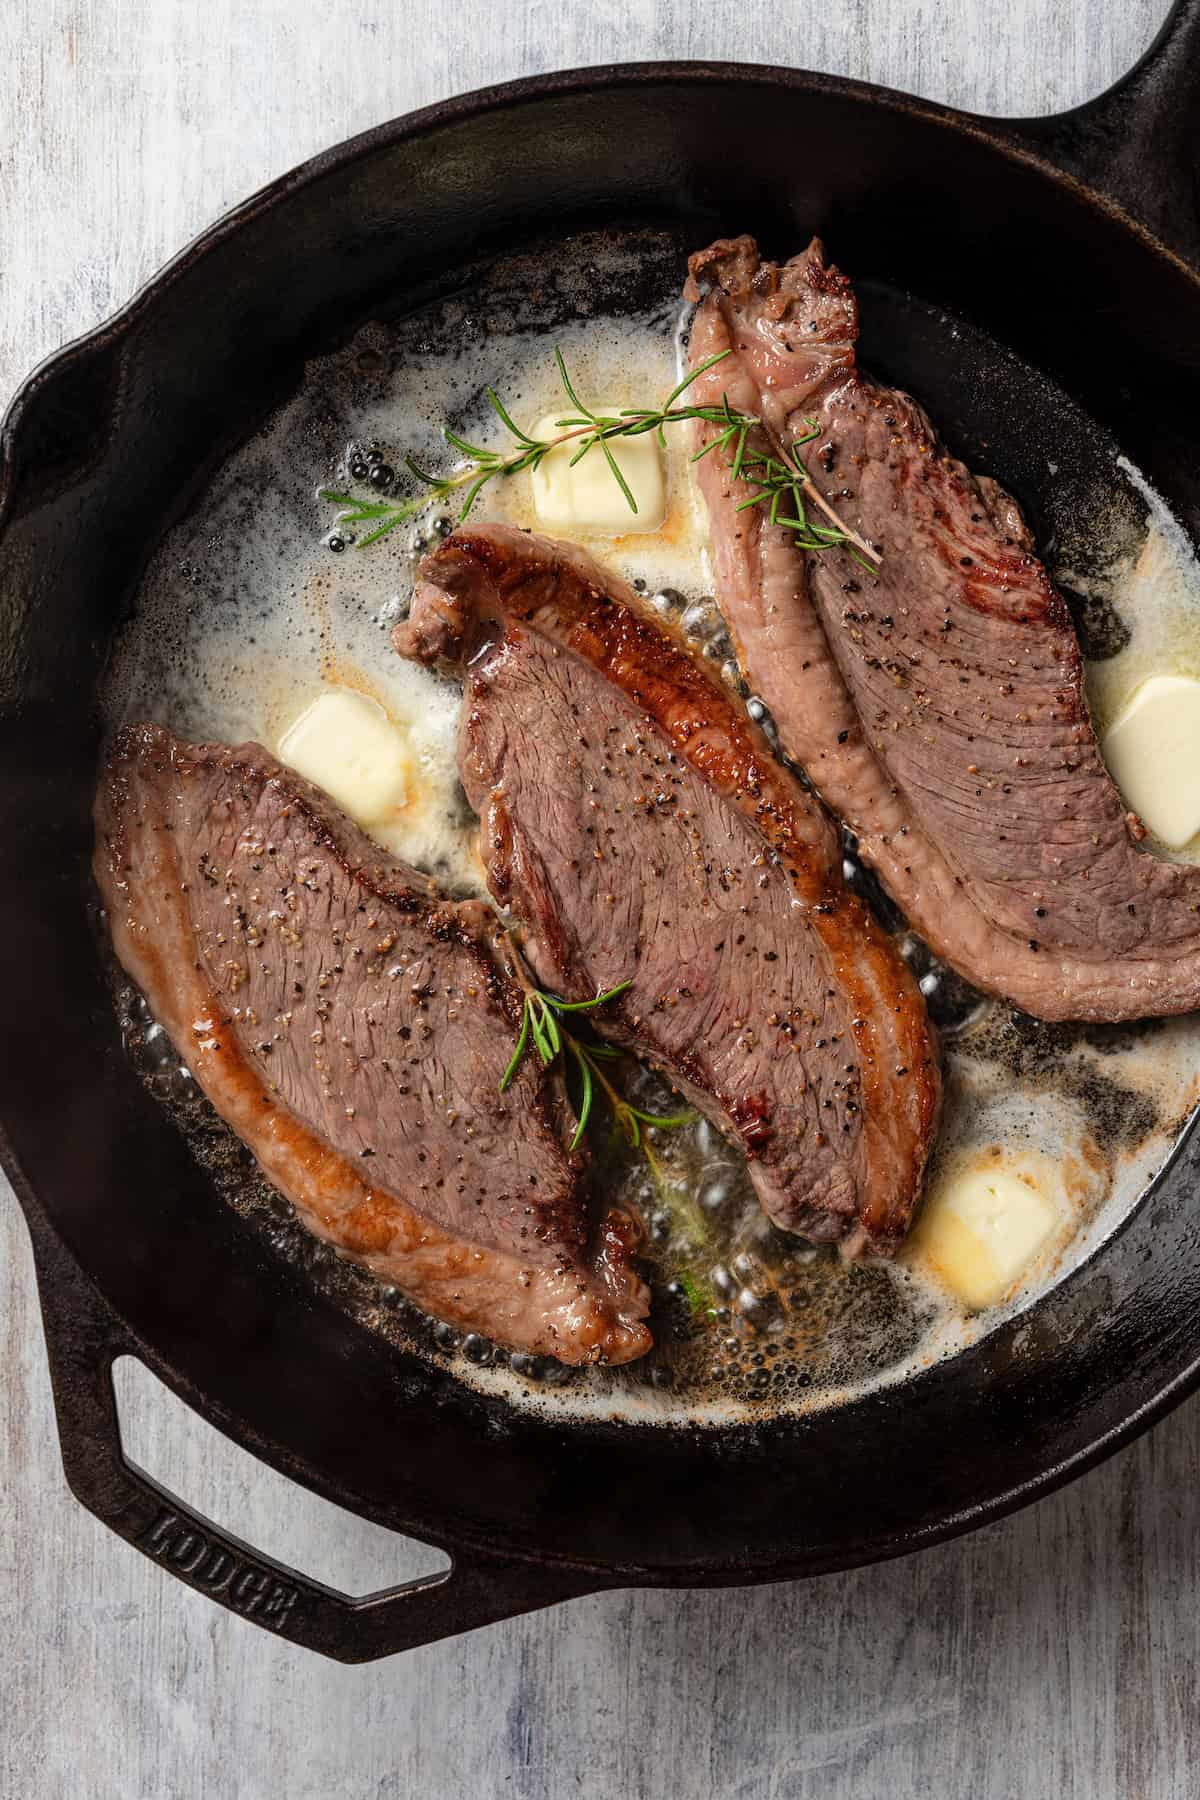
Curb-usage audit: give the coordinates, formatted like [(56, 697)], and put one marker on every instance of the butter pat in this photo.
[(1153, 754), (587, 498), (981, 1228), (347, 745)]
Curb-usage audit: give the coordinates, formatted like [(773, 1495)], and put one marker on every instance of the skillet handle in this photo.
[(83, 1340), (1138, 144)]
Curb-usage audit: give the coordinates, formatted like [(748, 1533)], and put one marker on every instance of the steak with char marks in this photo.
[(352, 1026), (937, 702), (637, 825)]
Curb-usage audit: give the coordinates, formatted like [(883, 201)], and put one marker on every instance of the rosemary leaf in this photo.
[(357, 509), (739, 453), (696, 373), (519, 1052), (541, 1041), (422, 475), (550, 1027), (498, 407), (473, 493), (617, 475), (373, 537), (565, 1006), (572, 396), (585, 1099), (714, 443), (467, 448), (698, 1294), (638, 424), (583, 449), (665, 1120)]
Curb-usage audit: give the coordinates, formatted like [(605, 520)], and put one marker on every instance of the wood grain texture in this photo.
[(1057, 1653)]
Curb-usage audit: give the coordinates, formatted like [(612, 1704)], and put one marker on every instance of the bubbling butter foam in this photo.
[(248, 614)]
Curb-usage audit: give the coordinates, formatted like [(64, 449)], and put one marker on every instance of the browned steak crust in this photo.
[(352, 1026), (938, 703), (637, 825)]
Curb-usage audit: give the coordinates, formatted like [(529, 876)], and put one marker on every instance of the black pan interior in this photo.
[(105, 450), (847, 1325)]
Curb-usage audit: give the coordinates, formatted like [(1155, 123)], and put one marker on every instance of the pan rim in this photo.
[(757, 1568), (1002, 135)]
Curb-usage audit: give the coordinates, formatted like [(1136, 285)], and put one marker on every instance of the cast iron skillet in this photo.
[(1068, 240)]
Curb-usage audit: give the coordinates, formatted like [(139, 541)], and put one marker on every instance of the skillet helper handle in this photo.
[(1138, 144), (83, 1340)]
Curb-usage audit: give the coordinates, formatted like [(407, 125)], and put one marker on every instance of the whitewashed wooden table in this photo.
[(1055, 1654)]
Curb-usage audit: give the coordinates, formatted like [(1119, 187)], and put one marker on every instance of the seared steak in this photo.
[(638, 827), (352, 1026), (938, 703)]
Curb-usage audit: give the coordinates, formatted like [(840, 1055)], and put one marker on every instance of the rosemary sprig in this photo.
[(392, 512), (542, 1021), (782, 480), (779, 479), (702, 1302), (542, 1024), (590, 429)]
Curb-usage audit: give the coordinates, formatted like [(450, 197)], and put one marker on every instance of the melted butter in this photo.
[(247, 615), (1157, 594), (575, 495), (989, 1221), (346, 743), (1152, 750), (631, 368)]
